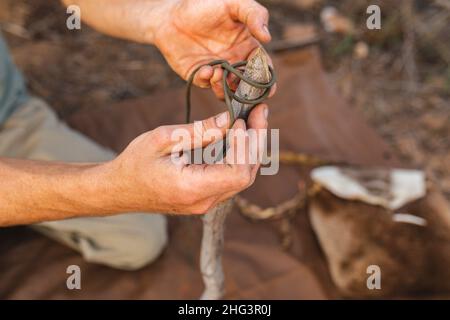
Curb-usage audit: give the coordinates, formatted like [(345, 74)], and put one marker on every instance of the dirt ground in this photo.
[(401, 83)]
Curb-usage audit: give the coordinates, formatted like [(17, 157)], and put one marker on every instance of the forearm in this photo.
[(35, 191), (134, 20)]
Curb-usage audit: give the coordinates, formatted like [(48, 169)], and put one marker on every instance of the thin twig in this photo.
[(257, 69), (409, 45)]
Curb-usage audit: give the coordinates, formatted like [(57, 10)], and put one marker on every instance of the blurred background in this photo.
[(397, 77)]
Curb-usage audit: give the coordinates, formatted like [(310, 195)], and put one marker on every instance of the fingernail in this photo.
[(266, 29), (266, 112), (222, 119)]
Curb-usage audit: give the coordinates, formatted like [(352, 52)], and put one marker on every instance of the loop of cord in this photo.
[(228, 93)]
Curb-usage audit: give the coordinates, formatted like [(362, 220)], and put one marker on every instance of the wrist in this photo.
[(107, 188), (54, 191), (153, 19), (84, 190)]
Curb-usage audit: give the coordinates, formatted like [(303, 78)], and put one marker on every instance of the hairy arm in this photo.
[(143, 178), (134, 20), (35, 191), (189, 33)]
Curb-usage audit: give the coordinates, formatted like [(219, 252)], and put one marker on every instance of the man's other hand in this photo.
[(193, 33)]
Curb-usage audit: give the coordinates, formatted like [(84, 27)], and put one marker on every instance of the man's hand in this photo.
[(195, 32), (143, 177), (189, 33), (146, 177)]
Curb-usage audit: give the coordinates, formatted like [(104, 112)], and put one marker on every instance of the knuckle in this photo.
[(208, 124), (139, 139), (263, 11), (199, 129), (161, 135), (205, 125)]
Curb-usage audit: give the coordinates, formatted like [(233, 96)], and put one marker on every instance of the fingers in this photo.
[(238, 151), (242, 158), (216, 83), (208, 76), (221, 182), (257, 125), (258, 117), (168, 139), (214, 183), (233, 83), (254, 16), (257, 121), (175, 138), (203, 76)]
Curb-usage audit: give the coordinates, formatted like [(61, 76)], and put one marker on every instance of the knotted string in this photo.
[(229, 94)]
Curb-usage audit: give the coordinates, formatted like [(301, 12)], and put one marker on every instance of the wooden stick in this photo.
[(257, 69), (211, 252)]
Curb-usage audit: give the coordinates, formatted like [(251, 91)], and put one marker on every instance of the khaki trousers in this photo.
[(127, 241)]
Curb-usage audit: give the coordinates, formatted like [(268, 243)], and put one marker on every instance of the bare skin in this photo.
[(189, 33), (142, 177)]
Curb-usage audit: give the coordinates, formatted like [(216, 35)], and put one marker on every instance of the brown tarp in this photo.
[(312, 118)]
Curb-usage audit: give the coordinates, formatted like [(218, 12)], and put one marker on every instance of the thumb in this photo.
[(193, 135), (254, 16)]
